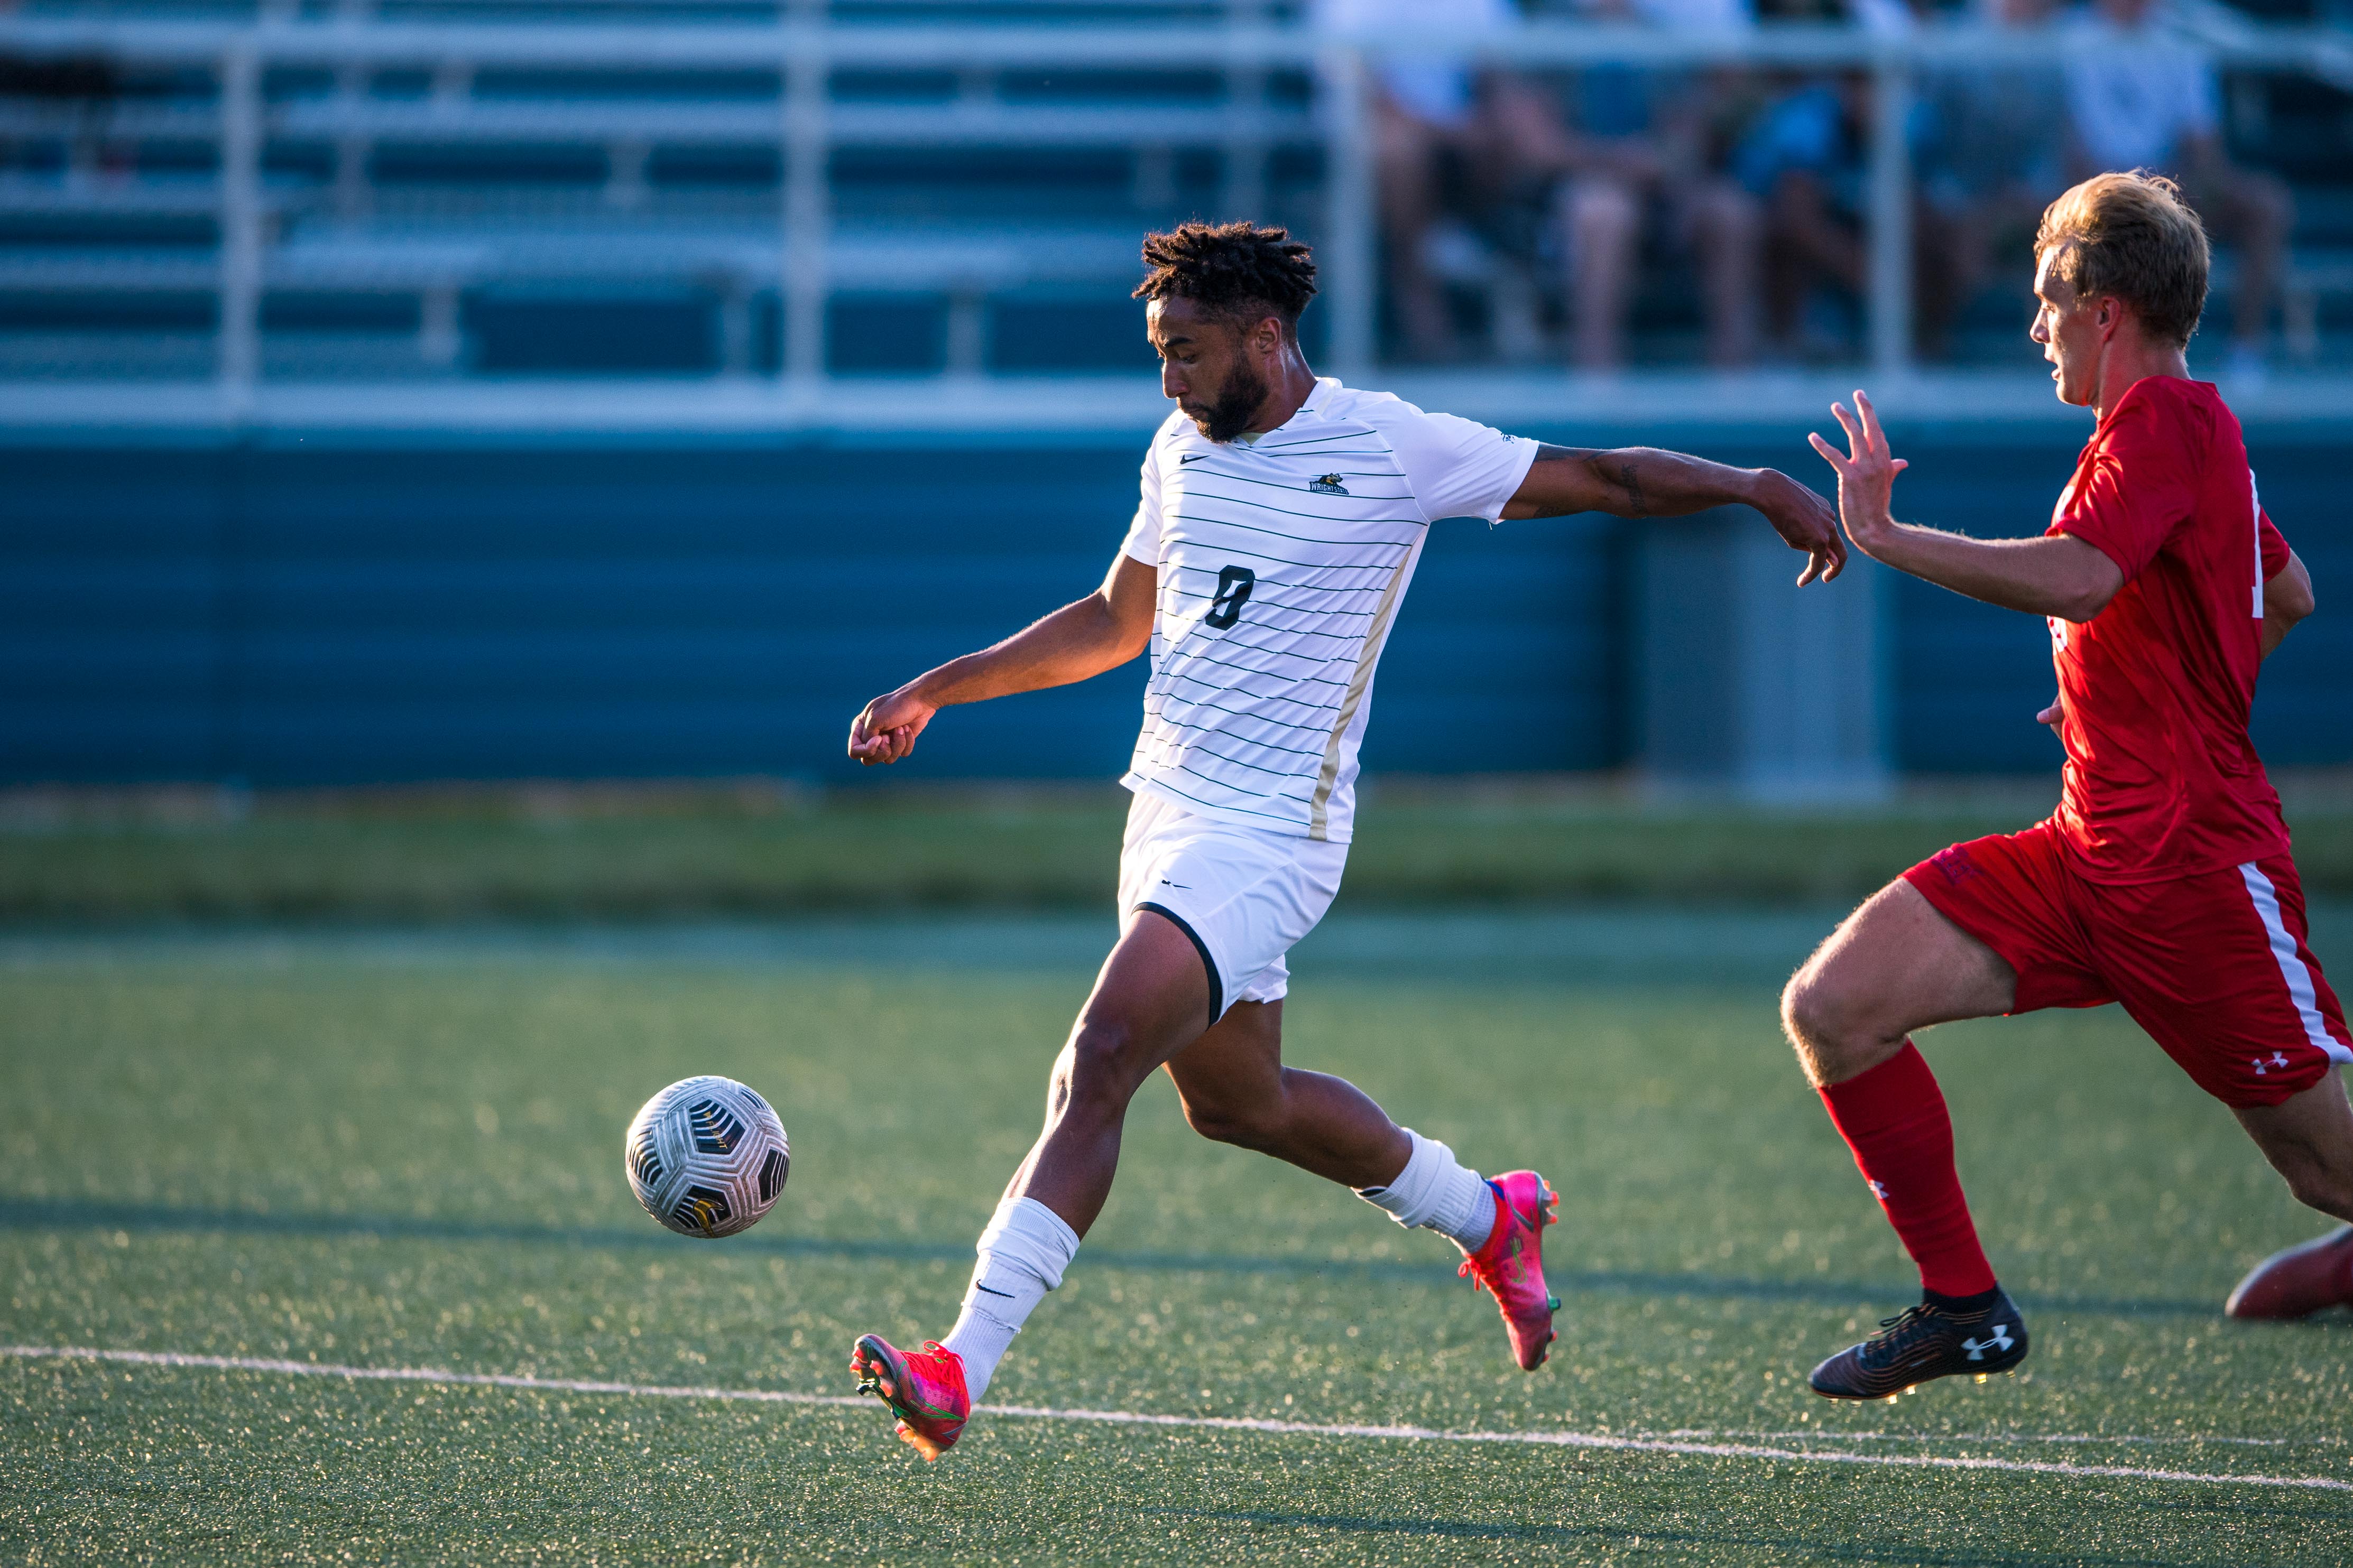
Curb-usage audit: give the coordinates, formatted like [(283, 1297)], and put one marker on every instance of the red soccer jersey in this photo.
[(2161, 779)]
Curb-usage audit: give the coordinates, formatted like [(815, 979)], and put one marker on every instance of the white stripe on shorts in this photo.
[(2291, 967)]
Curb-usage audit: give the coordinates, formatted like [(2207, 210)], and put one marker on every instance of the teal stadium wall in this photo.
[(283, 615)]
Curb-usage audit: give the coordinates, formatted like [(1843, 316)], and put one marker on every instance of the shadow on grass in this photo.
[(67, 1213), (1808, 1548)]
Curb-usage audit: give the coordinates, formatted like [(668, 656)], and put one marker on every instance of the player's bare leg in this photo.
[(1150, 1000), (2308, 1139), (1893, 966), (1235, 1089)]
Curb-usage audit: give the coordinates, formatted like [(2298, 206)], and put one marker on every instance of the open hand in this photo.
[(886, 730), (1866, 473), (1805, 521)]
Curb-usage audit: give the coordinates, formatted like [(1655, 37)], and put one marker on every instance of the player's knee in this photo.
[(1245, 1127), (1818, 1019), (1098, 1068), (2325, 1186), (1808, 1009)]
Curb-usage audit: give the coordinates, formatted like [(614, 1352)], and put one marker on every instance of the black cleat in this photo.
[(1925, 1342)]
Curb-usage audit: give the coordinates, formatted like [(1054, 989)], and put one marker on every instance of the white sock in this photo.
[(1022, 1255), (1437, 1192)]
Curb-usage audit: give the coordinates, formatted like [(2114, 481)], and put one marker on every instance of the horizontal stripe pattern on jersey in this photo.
[(1281, 562)]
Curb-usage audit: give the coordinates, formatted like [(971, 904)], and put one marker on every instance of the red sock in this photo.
[(1893, 1118)]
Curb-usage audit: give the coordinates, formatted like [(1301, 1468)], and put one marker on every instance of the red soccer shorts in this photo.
[(2213, 966)]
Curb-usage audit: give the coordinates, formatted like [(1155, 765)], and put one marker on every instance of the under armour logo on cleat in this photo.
[(2000, 1340), (2279, 1059)]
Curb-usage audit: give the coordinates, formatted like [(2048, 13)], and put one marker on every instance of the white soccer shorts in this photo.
[(1243, 894)]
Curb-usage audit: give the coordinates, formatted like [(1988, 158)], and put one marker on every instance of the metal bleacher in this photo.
[(392, 152), (286, 504), (300, 191)]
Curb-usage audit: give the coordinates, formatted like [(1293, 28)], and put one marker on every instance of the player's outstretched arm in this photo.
[(2287, 599), (2055, 575), (1108, 628), (1643, 481)]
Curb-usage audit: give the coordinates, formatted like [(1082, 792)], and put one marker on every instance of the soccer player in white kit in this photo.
[(1280, 520)]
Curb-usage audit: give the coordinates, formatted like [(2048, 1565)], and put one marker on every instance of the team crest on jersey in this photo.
[(1329, 485)]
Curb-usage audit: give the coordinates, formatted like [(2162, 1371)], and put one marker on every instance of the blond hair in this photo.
[(2131, 237)]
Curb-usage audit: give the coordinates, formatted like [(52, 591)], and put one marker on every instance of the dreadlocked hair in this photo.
[(1230, 270)]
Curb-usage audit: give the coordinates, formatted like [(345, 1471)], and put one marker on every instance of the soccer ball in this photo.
[(707, 1157)]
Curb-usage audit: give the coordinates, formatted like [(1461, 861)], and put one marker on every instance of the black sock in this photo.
[(1961, 1306)]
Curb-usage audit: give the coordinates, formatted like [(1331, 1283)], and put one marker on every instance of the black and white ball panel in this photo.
[(707, 1157)]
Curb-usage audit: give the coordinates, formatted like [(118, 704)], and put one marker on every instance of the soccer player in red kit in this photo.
[(2163, 880)]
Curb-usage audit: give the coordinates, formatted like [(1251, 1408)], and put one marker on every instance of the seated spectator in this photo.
[(1638, 147), (1877, 16), (1446, 137), (1994, 164), (1806, 157), (2140, 98), (1803, 162)]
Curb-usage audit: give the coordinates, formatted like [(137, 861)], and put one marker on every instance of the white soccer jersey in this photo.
[(1282, 558)]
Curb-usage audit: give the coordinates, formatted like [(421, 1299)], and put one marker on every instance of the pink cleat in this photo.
[(1511, 1265), (924, 1389), (2300, 1282)]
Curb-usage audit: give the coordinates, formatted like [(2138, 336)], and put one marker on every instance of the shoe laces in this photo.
[(1477, 1273), (930, 1367), (1900, 1332)]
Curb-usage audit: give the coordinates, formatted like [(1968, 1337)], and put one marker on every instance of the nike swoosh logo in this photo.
[(1191, 458), (978, 1286)]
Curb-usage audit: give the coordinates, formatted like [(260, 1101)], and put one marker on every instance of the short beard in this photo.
[(1230, 416)]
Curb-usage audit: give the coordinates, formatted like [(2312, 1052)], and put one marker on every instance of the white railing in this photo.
[(809, 45)]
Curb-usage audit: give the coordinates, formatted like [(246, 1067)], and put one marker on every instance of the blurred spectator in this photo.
[(1448, 138), (1639, 151), (1994, 164), (1807, 158), (1803, 159), (2142, 98), (1877, 16)]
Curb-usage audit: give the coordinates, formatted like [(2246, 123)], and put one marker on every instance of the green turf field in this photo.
[(403, 1152)]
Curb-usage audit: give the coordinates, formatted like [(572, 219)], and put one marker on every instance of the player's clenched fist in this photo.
[(1805, 521), (886, 730)]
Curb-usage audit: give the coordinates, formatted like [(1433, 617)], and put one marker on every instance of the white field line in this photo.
[(1596, 1440), (427, 1374), (1822, 1434)]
